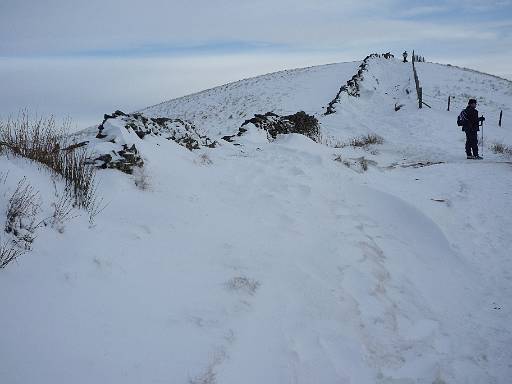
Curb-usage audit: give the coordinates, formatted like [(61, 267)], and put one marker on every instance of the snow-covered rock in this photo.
[(274, 125), (120, 134)]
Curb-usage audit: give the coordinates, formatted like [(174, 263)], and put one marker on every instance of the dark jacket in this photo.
[(471, 123)]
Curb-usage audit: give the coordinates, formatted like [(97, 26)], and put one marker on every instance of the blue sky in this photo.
[(84, 58)]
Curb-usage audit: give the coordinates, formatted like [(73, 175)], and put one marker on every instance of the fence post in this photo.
[(419, 90), (501, 115), (449, 98)]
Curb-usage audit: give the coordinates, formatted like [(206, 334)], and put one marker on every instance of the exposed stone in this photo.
[(274, 124), (124, 160), (105, 159)]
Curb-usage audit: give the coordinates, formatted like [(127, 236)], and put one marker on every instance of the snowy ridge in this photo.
[(279, 261)]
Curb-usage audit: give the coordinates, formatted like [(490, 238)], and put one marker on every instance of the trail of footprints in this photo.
[(245, 288)]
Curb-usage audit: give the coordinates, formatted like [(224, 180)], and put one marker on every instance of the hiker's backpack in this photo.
[(462, 119)]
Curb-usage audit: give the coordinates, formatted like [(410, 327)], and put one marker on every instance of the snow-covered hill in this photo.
[(282, 260), (220, 111)]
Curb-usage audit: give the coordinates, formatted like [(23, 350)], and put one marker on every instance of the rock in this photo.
[(274, 124), (125, 158)]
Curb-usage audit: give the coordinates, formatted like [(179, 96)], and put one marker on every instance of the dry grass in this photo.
[(22, 214), (9, 252), (42, 141), (243, 284), (363, 141), (63, 211), (360, 164), (21, 221), (501, 149), (204, 159), (366, 140), (330, 141), (141, 179)]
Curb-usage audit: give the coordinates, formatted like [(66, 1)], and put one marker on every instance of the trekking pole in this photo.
[(482, 125)]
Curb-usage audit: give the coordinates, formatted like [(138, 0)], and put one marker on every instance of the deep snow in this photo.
[(273, 262)]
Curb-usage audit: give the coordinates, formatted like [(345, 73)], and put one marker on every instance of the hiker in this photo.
[(471, 125), (405, 56)]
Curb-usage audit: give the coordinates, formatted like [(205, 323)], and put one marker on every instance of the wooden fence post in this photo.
[(449, 98), (501, 115), (419, 90)]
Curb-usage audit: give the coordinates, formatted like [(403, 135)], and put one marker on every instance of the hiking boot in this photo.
[(478, 157), (469, 157)]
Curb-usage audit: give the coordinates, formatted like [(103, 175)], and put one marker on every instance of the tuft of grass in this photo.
[(345, 162), (363, 163), (40, 140), (63, 211), (22, 213), (366, 140), (363, 141), (21, 221), (141, 179), (331, 141), (204, 159), (243, 284), (360, 164), (501, 149), (9, 252)]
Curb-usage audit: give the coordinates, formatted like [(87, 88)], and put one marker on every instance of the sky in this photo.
[(81, 59)]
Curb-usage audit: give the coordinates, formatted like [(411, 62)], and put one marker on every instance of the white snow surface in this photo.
[(273, 262)]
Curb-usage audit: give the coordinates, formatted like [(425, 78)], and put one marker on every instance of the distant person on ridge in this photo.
[(469, 120)]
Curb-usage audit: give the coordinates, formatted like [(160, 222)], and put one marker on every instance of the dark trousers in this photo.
[(471, 142)]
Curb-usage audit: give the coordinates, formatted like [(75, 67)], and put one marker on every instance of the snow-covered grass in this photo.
[(501, 149), (40, 140), (33, 200), (271, 262)]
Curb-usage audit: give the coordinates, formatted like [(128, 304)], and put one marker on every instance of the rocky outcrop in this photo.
[(178, 130), (119, 134), (274, 125)]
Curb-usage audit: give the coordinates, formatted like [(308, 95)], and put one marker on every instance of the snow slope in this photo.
[(275, 262), (220, 111)]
